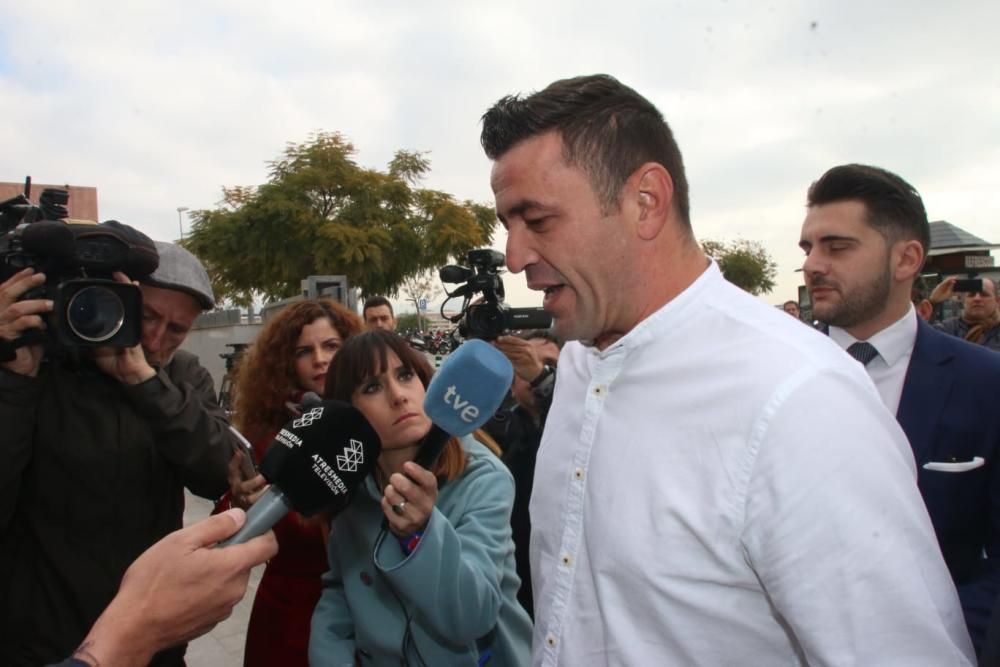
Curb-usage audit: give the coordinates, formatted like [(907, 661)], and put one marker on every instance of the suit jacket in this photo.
[(948, 410)]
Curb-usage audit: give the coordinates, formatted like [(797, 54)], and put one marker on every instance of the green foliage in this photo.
[(745, 263), (321, 213), (408, 321)]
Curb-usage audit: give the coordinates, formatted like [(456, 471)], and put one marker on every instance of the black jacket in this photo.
[(93, 473)]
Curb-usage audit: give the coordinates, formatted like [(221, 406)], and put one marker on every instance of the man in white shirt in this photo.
[(701, 496), (865, 236)]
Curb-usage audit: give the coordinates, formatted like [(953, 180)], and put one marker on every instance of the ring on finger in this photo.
[(399, 508)]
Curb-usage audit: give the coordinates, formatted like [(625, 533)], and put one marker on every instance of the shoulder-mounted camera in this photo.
[(491, 317), (90, 308)]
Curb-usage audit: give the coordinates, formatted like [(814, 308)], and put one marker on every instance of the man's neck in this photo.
[(889, 316)]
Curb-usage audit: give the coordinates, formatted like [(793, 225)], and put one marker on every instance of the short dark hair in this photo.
[(375, 302), (544, 334), (607, 129), (894, 207), (790, 301)]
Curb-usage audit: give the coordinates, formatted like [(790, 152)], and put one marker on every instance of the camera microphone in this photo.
[(454, 273), (463, 395), (49, 238), (315, 463)]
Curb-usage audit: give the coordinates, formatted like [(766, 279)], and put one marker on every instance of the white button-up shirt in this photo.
[(723, 486)]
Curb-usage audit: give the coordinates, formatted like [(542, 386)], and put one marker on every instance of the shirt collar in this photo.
[(893, 343), (654, 325)]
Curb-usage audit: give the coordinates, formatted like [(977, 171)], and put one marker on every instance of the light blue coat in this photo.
[(459, 586)]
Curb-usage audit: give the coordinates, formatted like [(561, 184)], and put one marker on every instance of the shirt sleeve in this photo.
[(453, 576), (190, 428), (18, 407), (839, 536)]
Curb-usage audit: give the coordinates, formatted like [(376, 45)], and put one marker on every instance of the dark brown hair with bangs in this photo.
[(367, 355)]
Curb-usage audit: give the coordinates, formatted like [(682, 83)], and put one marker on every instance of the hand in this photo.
[(523, 356), (944, 291), (244, 492), (17, 316), (418, 489), (179, 589), (127, 365)]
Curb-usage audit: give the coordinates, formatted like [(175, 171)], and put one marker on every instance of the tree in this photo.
[(321, 213), (745, 263), (416, 287)]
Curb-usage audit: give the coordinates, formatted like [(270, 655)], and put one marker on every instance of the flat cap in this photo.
[(180, 270)]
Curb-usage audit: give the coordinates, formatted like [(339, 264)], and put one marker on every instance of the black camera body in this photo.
[(492, 317), (90, 308)]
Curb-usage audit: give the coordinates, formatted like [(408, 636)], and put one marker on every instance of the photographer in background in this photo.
[(979, 322), (98, 446), (518, 430)]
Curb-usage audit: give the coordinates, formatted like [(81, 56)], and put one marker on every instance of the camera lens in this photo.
[(95, 314)]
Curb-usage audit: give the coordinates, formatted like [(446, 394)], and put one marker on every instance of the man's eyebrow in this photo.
[(518, 209), (828, 238)]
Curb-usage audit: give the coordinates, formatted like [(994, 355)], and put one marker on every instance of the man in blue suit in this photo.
[(865, 237)]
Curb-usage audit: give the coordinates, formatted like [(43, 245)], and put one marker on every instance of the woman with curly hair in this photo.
[(289, 358)]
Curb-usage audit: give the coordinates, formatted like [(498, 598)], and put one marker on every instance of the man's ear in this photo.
[(654, 197), (908, 259)]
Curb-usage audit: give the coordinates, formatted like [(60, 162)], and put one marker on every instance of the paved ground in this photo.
[(223, 646)]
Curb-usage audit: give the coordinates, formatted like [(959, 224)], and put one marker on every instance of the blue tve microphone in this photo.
[(315, 463), (463, 395)]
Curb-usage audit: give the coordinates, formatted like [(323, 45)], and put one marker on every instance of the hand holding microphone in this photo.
[(314, 464)]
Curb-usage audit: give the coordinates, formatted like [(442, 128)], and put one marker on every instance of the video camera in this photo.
[(491, 318), (78, 259)]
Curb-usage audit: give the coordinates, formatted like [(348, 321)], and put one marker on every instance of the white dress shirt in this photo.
[(895, 347), (723, 486)]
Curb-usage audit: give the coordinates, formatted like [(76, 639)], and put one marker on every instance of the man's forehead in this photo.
[(170, 303), (529, 158)]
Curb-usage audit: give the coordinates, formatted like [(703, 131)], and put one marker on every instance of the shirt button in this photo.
[(567, 560), (578, 473), (599, 390), (550, 639)]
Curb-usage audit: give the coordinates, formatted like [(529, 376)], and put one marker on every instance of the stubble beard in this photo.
[(861, 305)]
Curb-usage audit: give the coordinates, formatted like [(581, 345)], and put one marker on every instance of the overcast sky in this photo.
[(159, 105)]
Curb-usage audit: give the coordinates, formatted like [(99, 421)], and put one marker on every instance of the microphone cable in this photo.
[(408, 638)]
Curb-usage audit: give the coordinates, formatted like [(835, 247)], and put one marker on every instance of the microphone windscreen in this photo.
[(310, 399), (319, 458), (49, 238), (468, 388)]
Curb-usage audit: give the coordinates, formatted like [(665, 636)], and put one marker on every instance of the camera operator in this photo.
[(98, 446), (518, 431)]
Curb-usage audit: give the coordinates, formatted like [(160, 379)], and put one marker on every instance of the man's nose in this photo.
[(520, 253), (812, 265), (152, 338)]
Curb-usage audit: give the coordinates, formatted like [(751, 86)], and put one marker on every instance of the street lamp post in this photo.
[(180, 224)]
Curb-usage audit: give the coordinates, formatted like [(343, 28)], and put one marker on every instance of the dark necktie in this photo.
[(863, 352)]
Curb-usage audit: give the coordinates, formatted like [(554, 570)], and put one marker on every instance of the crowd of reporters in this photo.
[(436, 565)]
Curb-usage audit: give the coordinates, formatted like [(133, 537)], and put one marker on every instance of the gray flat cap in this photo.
[(180, 270)]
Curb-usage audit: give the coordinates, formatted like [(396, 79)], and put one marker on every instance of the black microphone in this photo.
[(315, 463), (463, 395), (310, 399)]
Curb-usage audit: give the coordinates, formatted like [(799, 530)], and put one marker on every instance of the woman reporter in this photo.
[(419, 574), (290, 357)]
